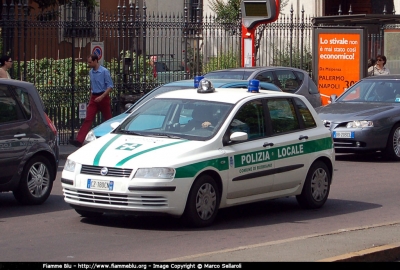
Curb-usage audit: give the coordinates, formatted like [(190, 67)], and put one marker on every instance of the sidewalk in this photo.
[(378, 243), (66, 150)]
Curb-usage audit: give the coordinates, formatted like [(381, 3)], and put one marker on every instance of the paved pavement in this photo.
[(377, 243)]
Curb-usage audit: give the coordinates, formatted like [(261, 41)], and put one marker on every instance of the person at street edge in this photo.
[(5, 64), (101, 85), (379, 68)]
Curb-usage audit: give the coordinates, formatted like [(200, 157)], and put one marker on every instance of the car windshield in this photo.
[(156, 92), (386, 91), (176, 118), (238, 75)]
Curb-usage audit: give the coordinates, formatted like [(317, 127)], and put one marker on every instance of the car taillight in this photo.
[(52, 126)]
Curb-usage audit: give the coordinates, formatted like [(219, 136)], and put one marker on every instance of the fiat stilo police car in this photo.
[(188, 153)]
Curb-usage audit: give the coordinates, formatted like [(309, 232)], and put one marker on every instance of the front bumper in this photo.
[(138, 196), (365, 140)]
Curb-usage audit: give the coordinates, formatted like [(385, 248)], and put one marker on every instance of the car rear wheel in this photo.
[(88, 214), (316, 187), (392, 150), (36, 182), (203, 202)]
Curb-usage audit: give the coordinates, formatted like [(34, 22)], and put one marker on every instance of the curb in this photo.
[(386, 253)]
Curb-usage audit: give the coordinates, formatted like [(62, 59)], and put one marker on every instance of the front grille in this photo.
[(105, 198), (114, 172)]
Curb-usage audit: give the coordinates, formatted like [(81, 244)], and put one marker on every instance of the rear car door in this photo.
[(290, 137), (14, 129)]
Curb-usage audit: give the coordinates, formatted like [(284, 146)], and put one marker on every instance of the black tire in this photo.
[(89, 214), (392, 150), (316, 187), (36, 182), (202, 203)]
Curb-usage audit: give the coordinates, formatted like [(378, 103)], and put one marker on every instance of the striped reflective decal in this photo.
[(100, 153), (122, 162)]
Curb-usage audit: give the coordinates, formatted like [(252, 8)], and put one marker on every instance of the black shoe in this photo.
[(75, 143)]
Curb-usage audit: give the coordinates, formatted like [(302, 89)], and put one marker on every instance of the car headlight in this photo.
[(160, 173), (70, 165), (359, 124), (90, 136)]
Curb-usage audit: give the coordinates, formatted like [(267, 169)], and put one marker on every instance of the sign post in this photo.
[(98, 48), (339, 59), (254, 13)]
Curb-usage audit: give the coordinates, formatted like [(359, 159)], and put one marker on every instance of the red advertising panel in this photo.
[(339, 60)]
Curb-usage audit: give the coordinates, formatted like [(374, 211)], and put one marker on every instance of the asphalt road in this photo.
[(363, 198)]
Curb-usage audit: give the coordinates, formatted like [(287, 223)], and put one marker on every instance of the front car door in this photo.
[(250, 163)]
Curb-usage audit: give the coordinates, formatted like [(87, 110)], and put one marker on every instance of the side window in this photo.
[(9, 109), (312, 88), (265, 77), (250, 119), (23, 97), (283, 115), (288, 81), (308, 119)]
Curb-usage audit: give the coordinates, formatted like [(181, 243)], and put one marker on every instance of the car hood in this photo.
[(343, 111), (105, 127), (116, 150)]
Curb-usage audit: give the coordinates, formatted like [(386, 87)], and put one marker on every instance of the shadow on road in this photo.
[(365, 157), (256, 214)]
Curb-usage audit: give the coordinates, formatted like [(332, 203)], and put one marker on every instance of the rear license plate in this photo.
[(103, 185), (347, 134)]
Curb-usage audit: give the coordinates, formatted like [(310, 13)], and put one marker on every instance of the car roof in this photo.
[(383, 77), (255, 69), (16, 83), (228, 95)]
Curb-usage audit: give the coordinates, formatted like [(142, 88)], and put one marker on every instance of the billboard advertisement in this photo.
[(339, 59)]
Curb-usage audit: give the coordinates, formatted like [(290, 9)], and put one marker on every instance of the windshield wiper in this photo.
[(123, 131), (163, 135)]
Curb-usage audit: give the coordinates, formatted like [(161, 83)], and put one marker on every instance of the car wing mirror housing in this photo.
[(239, 136)]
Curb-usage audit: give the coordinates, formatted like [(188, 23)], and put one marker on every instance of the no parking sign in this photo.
[(98, 48)]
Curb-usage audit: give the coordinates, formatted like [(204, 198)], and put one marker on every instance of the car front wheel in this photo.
[(203, 202), (36, 182), (392, 150), (316, 187)]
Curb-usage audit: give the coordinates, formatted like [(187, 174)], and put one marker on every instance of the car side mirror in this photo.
[(115, 124), (239, 136), (333, 98)]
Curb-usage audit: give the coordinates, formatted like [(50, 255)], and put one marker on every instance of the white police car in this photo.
[(188, 153)]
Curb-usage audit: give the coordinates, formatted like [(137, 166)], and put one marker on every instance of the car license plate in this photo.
[(347, 134), (103, 185)]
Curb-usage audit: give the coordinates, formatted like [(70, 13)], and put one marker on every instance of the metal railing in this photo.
[(50, 50)]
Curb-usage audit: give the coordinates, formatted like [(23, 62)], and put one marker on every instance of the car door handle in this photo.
[(268, 144), (19, 135), (305, 137)]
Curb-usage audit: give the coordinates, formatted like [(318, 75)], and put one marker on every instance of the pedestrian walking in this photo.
[(379, 68), (101, 85), (5, 64)]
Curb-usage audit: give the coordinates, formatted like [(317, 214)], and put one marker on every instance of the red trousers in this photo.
[(104, 106)]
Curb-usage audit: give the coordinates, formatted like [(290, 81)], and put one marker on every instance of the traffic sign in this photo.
[(98, 49)]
